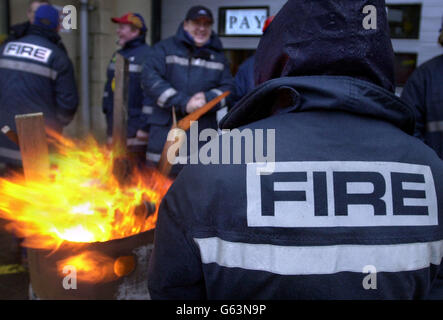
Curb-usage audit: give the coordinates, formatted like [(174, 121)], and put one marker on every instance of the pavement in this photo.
[(14, 278)]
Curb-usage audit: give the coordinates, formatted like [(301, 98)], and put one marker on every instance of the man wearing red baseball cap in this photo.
[(131, 33)]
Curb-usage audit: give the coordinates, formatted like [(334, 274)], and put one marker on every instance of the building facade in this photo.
[(414, 32)]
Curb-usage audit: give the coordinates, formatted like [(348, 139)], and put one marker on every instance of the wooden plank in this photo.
[(33, 145), (165, 165), (120, 115)]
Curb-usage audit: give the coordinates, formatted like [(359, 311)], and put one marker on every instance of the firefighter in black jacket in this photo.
[(36, 76)]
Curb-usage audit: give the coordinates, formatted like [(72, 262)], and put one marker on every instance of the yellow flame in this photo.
[(83, 201)]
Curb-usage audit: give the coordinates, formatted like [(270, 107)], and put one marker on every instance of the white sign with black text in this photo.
[(245, 22)]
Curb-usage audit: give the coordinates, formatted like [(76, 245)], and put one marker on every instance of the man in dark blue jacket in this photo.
[(351, 208), (186, 71), (36, 76), (131, 33), (424, 92), (244, 79)]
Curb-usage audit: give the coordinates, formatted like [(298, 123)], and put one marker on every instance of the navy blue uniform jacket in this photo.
[(139, 109), (177, 71), (36, 75)]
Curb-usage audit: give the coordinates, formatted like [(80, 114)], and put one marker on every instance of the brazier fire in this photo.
[(83, 222)]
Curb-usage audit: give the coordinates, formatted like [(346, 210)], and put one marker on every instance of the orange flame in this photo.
[(89, 266), (83, 201)]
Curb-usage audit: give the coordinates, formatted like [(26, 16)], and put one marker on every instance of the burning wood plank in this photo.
[(119, 127), (33, 145)]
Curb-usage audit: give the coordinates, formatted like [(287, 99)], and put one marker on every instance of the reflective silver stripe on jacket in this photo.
[(135, 68), (10, 153), (195, 62), (435, 126), (219, 93), (208, 64), (310, 260), (153, 156), (28, 67), (168, 93), (148, 110)]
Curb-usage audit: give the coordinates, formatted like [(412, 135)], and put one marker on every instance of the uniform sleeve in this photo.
[(175, 270), (156, 85), (226, 83), (66, 95), (414, 94)]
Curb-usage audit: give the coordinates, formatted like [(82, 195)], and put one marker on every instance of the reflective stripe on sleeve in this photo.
[(136, 142), (10, 153), (148, 110), (153, 156), (168, 93), (219, 93)]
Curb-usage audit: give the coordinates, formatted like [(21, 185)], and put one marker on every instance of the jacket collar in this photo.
[(295, 94), (49, 34), (136, 42)]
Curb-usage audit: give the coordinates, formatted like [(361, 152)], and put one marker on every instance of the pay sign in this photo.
[(243, 21)]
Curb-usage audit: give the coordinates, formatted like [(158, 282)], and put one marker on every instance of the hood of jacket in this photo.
[(328, 37)]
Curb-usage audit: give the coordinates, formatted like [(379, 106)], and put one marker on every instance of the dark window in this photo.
[(404, 20), (405, 64), (237, 57)]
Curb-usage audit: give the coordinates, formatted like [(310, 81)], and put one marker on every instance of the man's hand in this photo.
[(196, 102), (142, 135)]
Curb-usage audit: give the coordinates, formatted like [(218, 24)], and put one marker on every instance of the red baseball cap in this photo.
[(267, 23), (134, 19)]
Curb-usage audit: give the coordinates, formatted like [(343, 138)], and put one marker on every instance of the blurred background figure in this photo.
[(36, 76), (131, 37), (21, 29), (424, 92), (186, 71), (244, 79)]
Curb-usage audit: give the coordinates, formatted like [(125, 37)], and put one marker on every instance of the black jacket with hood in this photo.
[(349, 207)]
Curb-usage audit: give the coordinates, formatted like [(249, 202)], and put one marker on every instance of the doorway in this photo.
[(236, 57)]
